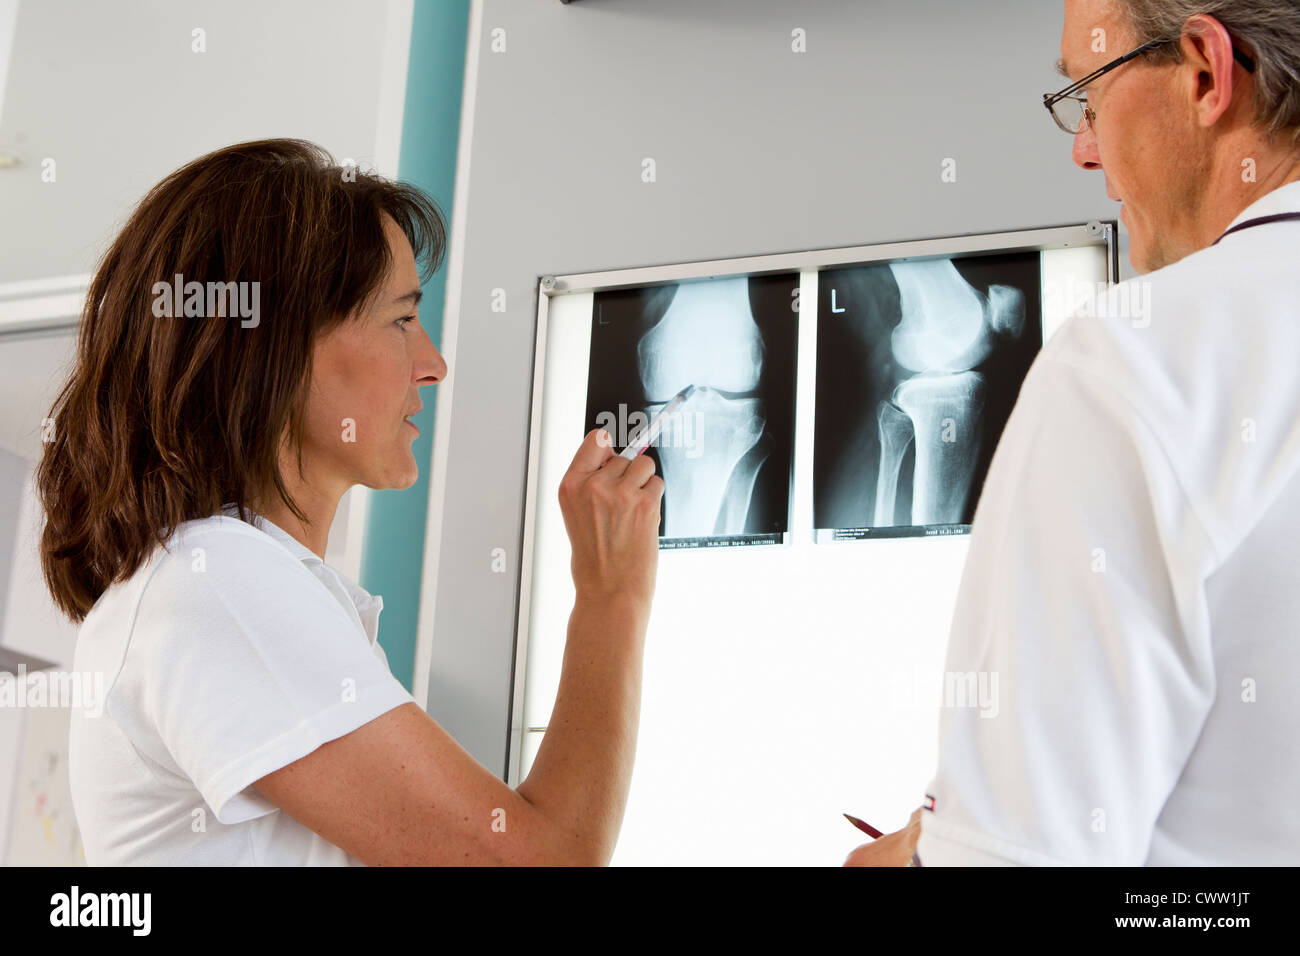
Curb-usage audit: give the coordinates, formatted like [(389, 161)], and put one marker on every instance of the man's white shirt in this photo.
[(1133, 580)]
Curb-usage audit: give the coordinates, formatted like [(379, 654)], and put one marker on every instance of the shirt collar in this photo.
[(1283, 199), (367, 605), (294, 546)]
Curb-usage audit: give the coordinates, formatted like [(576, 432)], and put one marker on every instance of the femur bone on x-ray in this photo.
[(707, 338)]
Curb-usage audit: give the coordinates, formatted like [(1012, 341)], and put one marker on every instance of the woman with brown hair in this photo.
[(250, 349)]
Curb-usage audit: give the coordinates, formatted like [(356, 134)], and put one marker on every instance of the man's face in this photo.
[(1143, 137), (365, 380)]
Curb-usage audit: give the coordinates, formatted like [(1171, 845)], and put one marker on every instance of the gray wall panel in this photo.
[(758, 150)]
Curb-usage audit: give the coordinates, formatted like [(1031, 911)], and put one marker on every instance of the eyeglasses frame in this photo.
[(1051, 99)]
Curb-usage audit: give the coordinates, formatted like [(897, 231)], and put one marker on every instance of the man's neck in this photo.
[(1244, 176)]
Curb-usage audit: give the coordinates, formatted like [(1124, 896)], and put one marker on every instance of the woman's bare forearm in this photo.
[(580, 778)]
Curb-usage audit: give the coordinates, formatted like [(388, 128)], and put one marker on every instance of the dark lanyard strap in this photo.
[(1261, 221)]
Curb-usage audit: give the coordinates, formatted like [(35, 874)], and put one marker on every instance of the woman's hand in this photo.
[(611, 510), (892, 849)]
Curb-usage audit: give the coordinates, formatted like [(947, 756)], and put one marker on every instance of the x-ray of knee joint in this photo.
[(919, 363), (725, 454)]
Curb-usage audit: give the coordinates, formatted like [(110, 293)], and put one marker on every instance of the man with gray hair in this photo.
[(1133, 569)]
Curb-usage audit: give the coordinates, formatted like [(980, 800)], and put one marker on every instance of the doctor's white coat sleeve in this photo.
[(1081, 615)]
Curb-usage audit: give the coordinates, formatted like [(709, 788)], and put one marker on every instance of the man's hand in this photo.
[(892, 849)]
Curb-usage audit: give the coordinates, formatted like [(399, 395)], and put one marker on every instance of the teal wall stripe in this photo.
[(393, 554)]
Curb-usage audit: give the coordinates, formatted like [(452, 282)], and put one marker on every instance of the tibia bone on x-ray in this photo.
[(947, 328), (895, 435), (710, 494), (707, 338), (945, 410)]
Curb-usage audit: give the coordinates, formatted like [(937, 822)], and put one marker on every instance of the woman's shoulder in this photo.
[(222, 555), (227, 592), (228, 534), (213, 580), (195, 556)]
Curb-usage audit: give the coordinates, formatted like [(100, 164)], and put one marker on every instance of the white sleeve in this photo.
[(249, 664), (1079, 669)]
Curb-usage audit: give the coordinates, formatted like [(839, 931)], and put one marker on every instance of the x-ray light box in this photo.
[(818, 482)]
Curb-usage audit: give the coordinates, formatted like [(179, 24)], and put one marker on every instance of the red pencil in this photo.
[(875, 834), (864, 826)]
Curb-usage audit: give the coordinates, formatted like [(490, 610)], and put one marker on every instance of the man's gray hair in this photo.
[(1266, 30)]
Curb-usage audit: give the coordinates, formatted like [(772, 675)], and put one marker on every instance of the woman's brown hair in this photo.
[(167, 417)]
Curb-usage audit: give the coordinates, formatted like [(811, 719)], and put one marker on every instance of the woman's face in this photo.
[(366, 377)]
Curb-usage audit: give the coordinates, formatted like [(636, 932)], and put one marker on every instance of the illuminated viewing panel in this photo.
[(818, 481)]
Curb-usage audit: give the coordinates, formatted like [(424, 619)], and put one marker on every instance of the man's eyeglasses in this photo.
[(1072, 112)]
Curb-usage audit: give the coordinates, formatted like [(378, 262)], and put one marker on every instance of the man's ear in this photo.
[(1208, 65)]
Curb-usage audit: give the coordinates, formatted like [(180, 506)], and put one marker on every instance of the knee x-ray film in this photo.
[(725, 454), (918, 366)]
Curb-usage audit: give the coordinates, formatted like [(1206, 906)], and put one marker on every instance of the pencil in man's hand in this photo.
[(864, 826)]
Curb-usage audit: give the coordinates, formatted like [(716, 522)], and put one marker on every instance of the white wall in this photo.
[(116, 95), (13, 472), (29, 622)]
